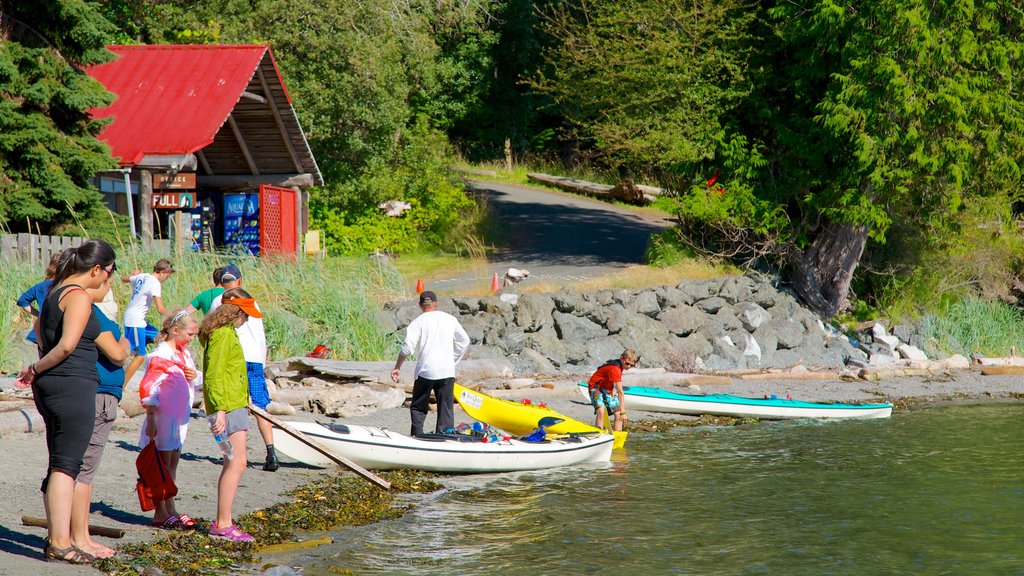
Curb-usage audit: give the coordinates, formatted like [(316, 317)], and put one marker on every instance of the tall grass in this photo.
[(15, 322), (334, 301), (975, 325)]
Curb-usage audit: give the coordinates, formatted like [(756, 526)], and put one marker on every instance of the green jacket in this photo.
[(225, 380)]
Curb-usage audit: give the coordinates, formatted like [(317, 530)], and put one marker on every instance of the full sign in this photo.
[(173, 200)]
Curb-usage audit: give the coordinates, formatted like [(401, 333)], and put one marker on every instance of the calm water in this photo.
[(930, 492)]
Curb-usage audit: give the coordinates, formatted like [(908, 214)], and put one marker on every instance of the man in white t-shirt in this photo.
[(254, 348), (146, 293), (439, 343)]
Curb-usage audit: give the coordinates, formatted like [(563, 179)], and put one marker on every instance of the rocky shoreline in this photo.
[(730, 323), (116, 506)]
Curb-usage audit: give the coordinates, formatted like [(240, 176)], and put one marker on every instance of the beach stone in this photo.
[(387, 322), (604, 298), (697, 344), (483, 368), (466, 304), (534, 311), (613, 318), (904, 333), (483, 352), (710, 305), (570, 303), (510, 297), (695, 290), (683, 320), (670, 296), (532, 362), (575, 352), (752, 316), (911, 352), (881, 360), (765, 297), (602, 349), (519, 383), (492, 305), (406, 314), (474, 328), (735, 290), (727, 319), (575, 329), (513, 341), (354, 400), (280, 409), (646, 303), (547, 343), (789, 334)]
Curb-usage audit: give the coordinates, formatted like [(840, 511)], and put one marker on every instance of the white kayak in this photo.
[(771, 408), (380, 449)]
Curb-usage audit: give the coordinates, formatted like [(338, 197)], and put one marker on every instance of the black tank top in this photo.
[(82, 361)]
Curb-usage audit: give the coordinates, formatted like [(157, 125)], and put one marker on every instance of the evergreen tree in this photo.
[(48, 148)]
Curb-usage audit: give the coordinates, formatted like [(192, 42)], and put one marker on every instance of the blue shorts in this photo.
[(258, 393), (139, 337), (601, 399)]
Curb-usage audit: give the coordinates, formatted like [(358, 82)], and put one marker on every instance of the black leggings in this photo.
[(68, 407)]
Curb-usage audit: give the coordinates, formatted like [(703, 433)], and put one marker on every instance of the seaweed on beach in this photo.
[(323, 504), (659, 425)]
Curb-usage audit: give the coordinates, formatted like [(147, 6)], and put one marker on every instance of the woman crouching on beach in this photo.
[(226, 394)]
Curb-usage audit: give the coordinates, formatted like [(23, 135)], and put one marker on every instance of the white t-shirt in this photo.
[(438, 341), (250, 334), (145, 287)]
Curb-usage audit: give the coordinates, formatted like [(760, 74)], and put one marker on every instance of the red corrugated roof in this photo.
[(172, 99)]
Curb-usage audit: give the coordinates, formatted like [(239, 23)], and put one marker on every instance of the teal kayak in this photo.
[(772, 408)]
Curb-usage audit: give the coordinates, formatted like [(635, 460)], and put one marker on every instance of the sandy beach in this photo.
[(115, 504)]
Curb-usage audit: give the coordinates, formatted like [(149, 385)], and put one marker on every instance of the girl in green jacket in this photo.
[(226, 393)]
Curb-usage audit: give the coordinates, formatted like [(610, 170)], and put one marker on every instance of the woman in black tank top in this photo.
[(64, 382)]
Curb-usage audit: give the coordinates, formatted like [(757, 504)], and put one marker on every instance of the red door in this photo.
[(278, 234)]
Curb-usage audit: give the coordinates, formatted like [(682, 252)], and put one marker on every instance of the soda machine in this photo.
[(242, 222)]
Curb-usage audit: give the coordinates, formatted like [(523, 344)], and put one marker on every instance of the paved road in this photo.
[(560, 238)]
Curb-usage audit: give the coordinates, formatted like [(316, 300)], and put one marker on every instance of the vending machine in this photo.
[(242, 222)]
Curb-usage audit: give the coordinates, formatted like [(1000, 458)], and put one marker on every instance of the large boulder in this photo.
[(547, 343), (575, 329), (683, 320), (646, 303), (752, 316), (534, 311), (736, 290), (354, 400)]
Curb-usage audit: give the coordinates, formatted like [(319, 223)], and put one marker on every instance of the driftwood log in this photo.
[(93, 529), (626, 190)]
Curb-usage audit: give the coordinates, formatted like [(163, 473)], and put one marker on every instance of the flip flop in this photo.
[(186, 521), (169, 523)]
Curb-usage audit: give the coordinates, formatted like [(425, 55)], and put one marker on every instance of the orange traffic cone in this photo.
[(419, 286), (494, 283)]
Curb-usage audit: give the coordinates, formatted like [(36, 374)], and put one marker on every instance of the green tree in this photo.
[(643, 83), (48, 147), (864, 115)]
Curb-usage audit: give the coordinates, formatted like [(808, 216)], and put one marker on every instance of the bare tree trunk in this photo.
[(825, 270)]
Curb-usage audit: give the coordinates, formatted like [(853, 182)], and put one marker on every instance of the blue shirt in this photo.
[(111, 374), (37, 294)]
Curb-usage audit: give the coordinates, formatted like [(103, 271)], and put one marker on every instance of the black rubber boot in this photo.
[(271, 464)]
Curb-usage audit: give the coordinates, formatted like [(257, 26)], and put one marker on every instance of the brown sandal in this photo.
[(77, 555)]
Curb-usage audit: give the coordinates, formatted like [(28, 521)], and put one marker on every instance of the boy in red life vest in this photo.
[(606, 389)]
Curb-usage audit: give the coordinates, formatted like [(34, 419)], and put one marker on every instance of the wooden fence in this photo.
[(35, 248)]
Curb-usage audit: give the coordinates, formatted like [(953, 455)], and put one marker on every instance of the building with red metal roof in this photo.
[(198, 125)]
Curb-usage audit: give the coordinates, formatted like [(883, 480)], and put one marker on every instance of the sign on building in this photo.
[(178, 181), (173, 200)]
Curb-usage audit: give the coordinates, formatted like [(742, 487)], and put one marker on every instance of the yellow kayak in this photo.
[(518, 418)]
